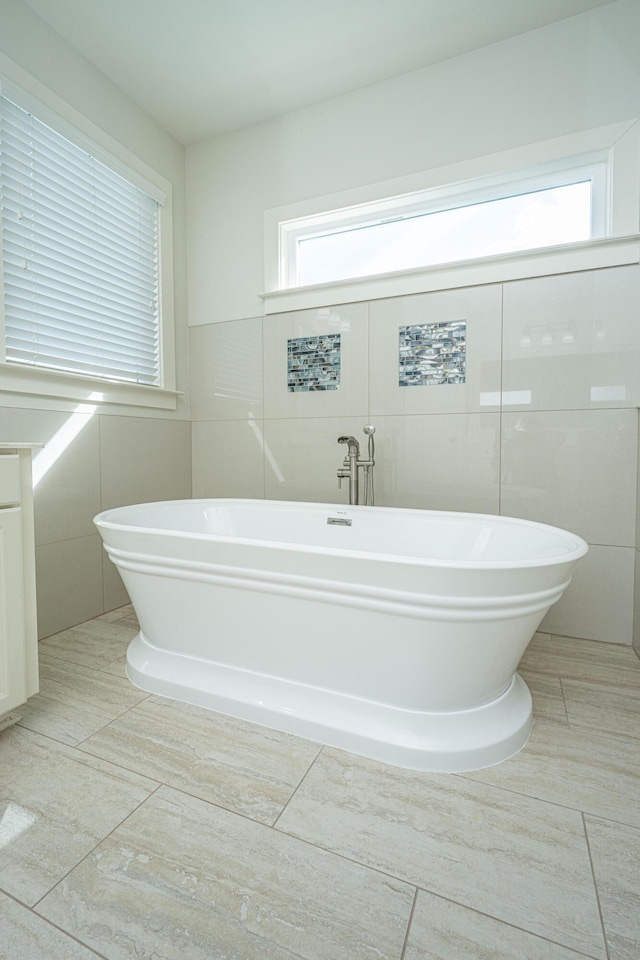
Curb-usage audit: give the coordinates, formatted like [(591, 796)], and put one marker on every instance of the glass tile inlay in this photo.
[(432, 353), (313, 363)]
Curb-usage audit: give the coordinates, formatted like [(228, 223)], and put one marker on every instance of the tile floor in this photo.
[(135, 827)]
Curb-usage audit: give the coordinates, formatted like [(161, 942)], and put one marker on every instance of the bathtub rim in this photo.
[(108, 520)]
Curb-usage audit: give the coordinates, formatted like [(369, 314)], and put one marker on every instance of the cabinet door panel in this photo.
[(12, 646)]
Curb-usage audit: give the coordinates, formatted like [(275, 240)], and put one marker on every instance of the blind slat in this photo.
[(80, 262)]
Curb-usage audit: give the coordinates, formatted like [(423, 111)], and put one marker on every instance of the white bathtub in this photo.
[(391, 633)]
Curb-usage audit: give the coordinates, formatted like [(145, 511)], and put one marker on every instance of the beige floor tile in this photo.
[(442, 930), (25, 936), (589, 660), (517, 859), (247, 768), (615, 851), (608, 710), (182, 878), (546, 691), (56, 805), (117, 668), (118, 614), (575, 768), (75, 701), (92, 644)]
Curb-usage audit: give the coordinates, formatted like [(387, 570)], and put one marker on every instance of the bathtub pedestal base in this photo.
[(448, 742)]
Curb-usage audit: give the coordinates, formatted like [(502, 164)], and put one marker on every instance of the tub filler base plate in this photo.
[(452, 741)]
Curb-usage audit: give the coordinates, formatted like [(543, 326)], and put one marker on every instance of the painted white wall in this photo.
[(571, 76), (120, 454)]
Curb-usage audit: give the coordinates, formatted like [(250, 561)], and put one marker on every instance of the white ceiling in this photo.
[(202, 67)]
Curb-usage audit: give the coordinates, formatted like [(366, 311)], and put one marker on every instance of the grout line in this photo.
[(409, 924), (302, 779), (595, 887)]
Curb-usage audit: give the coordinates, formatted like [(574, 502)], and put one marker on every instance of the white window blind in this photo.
[(80, 258)]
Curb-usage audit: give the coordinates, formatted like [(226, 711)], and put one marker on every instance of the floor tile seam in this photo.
[(67, 933), (554, 803), (81, 749), (93, 672), (507, 923), (409, 925), (299, 784), (621, 686), (579, 727), (108, 723), (595, 887), (89, 853)]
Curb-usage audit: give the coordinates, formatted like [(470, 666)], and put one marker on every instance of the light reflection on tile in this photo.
[(182, 878), (56, 805), (520, 860)]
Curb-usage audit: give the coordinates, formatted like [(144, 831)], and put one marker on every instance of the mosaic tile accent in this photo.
[(313, 363), (432, 353)]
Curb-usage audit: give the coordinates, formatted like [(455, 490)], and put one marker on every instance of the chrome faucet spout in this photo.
[(352, 465)]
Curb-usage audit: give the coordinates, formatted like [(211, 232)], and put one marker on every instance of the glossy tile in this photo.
[(574, 469), (302, 458), (514, 858), (598, 604), (351, 322), (96, 643), (228, 458), (607, 663), (572, 341), (68, 582), (182, 878), (591, 773), (56, 806), (249, 769), (225, 370), (26, 936), (439, 462), (615, 851), (481, 307), (607, 710), (76, 701), (144, 459), (442, 930)]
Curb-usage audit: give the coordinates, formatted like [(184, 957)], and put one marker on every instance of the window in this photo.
[(455, 223), (81, 262)]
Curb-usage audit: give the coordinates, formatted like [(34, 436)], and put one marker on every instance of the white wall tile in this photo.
[(302, 458), (573, 341), (68, 583), (438, 462), (225, 370), (481, 307), (351, 399), (598, 604), (573, 469), (227, 458), (144, 459), (636, 604)]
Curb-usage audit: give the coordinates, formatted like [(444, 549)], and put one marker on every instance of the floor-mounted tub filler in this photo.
[(395, 634)]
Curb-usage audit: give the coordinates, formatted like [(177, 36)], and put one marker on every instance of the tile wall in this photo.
[(543, 426), (105, 461)]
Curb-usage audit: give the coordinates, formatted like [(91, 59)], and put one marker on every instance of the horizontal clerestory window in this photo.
[(80, 258), (444, 225)]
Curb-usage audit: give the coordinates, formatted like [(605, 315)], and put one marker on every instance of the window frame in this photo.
[(17, 378), (614, 149)]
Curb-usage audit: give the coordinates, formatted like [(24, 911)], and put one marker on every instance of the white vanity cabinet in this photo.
[(18, 626)]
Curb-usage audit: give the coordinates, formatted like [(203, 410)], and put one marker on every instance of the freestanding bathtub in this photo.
[(391, 633)]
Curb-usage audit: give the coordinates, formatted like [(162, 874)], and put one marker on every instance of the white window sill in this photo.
[(18, 379), (526, 264)]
